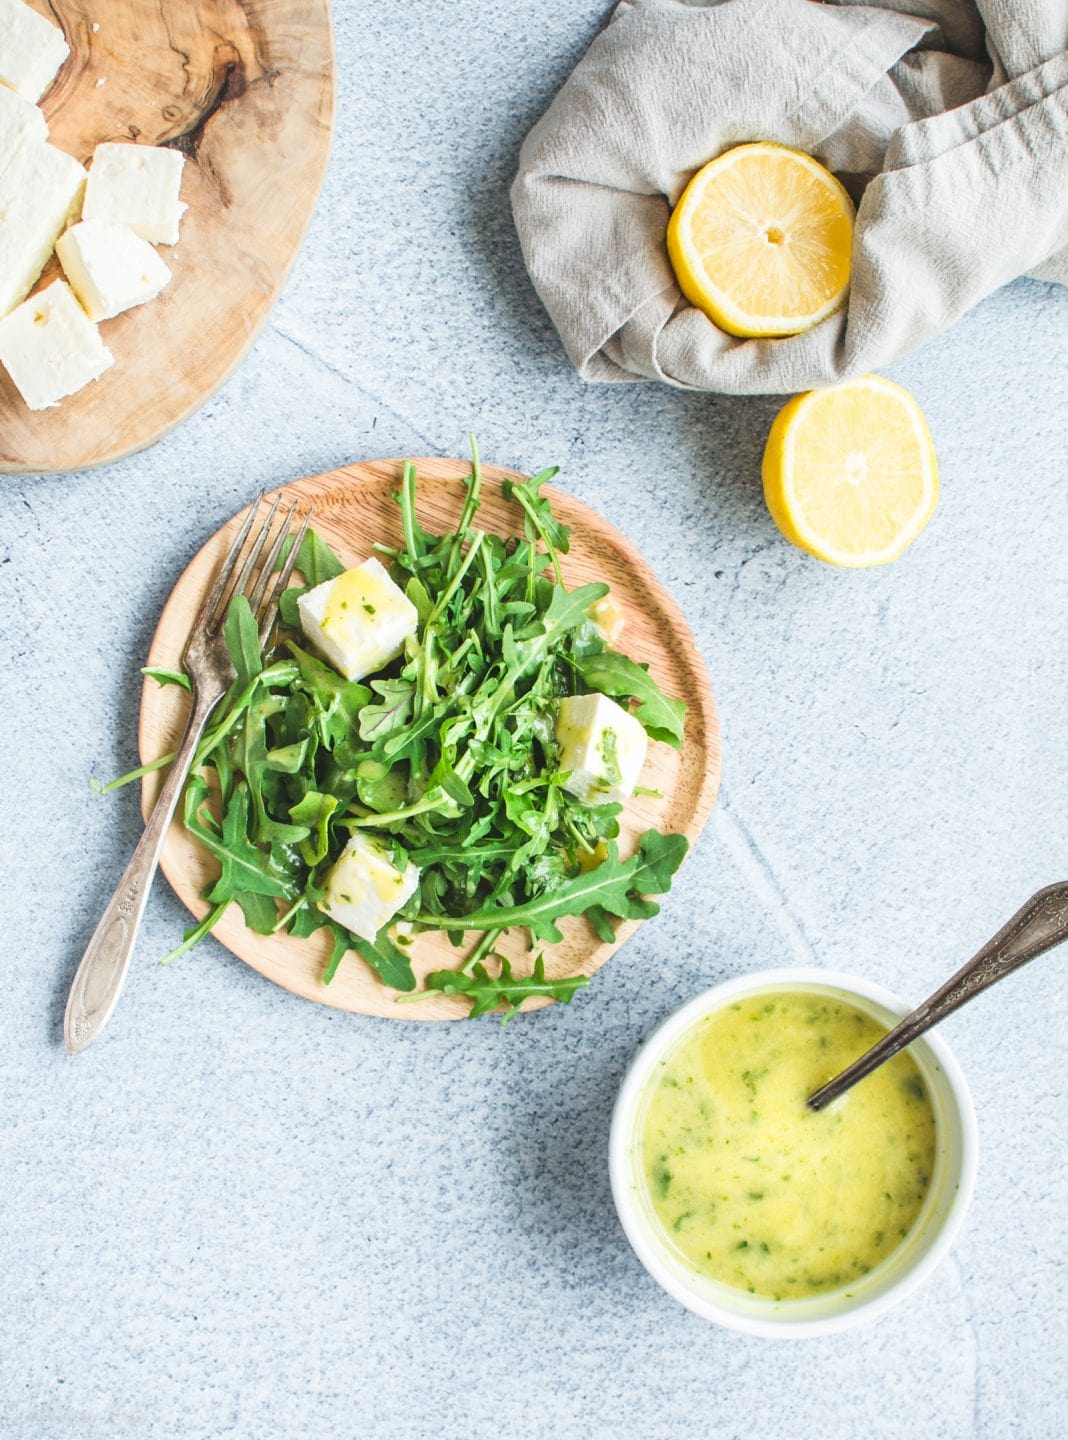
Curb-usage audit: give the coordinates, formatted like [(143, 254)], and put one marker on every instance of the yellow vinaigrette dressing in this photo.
[(755, 1190)]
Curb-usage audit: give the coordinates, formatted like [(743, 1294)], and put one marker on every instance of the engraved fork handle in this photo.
[(1036, 927), (99, 977)]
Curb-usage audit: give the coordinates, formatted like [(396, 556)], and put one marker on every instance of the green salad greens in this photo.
[(447, 756)]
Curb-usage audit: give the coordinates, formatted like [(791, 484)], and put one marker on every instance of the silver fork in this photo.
[(103, 967)]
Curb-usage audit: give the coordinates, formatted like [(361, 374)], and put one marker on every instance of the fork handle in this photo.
[(100, 975)]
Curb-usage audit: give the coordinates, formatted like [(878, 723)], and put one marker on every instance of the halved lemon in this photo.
[(850, 473), (762, 240)]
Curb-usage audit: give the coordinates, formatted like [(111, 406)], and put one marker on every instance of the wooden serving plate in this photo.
[(353, 509), (245, 89)]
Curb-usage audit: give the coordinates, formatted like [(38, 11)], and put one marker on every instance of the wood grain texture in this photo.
[(246, 92), (353, 509)]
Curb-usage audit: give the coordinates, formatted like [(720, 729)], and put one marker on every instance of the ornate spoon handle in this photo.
[(1038, 926)]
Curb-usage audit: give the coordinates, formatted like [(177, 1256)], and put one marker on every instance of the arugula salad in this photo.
[(467, 777)]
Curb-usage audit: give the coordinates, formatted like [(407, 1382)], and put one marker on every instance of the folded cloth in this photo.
[(947, 118)]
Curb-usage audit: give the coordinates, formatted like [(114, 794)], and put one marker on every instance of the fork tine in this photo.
[(274, 594), (226, 569), (248, 565), (267, 568)]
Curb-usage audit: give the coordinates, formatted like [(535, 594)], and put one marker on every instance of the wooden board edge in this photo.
[(7, 468)]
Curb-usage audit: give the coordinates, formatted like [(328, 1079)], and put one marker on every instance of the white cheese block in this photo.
[(19, 120), (31, 50), (602, 745), (608, 618), (364, 889), (109, 267), (136, 185), (358, 621), (50, 347), (40, 188)]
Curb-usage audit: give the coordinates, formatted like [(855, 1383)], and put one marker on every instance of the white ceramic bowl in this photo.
[(927, 1243)]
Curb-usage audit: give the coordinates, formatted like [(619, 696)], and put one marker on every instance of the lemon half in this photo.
[(762, 240), (850, 473)]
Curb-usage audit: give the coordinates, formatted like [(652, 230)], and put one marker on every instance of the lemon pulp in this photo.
[(762, 240), (850, 473)]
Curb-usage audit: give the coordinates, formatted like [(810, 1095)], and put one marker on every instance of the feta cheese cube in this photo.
[(109, 267), (31, 50), (19, 120), (609, 618), (364, 889), (40, 188), (136, 185), (358, 621), (602, 745), (50, 347)]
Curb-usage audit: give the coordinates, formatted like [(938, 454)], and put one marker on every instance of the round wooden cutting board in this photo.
[(245, 90), (353, 509)]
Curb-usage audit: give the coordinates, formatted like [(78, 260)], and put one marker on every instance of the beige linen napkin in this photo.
[(948, 119)]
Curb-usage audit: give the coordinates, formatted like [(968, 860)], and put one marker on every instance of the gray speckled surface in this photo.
[(243, 1215)]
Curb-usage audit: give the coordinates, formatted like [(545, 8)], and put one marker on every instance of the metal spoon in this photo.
[(1038, 926)]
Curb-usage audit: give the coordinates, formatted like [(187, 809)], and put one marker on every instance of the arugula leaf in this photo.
[(288, 610), (242, 641), (305, 919), (254, 761), (604, 927), (260, 911), (193, 934), (613, 886), (339, 701), (566, 610), (288, 759), (166, 677), (388, 960), (380, 786), (415, 537), (245, 867), (341, 947), (312, 814), (317, 562), (399, 743), (392, 710), (616, 675), (487, 992), (541, 523), (660, 856), (416, 593), (445, 852)]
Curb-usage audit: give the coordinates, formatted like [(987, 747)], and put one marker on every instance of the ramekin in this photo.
[(887, 1284)]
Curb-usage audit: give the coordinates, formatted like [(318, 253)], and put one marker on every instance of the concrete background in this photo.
[(244, 1215)]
